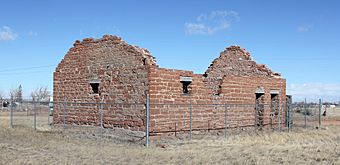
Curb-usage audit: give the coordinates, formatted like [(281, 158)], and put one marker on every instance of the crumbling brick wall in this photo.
[(122, 73), (231, 79), (127, 73)]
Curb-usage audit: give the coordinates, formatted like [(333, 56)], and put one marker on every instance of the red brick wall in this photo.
[(126, 73), (234, 76), (241, 90), (170, 107), (122, 70)]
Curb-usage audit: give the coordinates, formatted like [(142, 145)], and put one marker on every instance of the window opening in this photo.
[(275, 103), (186, 81), (185, 87), (95, 88)]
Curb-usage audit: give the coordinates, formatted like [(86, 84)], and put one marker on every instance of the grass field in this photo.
[(332, 117), (23, 119), (21, 145)]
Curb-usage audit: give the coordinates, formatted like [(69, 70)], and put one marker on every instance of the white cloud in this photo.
[(304, 28), (32, 33), (207, 24), (6, 34), (314, 91)]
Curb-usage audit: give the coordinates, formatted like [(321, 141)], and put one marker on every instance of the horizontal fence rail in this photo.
[(141, 121)]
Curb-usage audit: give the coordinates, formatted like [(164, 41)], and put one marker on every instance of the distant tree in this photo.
[(41, 94), (33, 96), (16, 94), (2, 95), (19, 94), (11, 93)]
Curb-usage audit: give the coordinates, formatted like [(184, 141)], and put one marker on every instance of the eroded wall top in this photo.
[(236, 61), (90, 44), (105, 68)]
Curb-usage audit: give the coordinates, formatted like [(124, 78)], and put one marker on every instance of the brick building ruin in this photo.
[(120, 75)]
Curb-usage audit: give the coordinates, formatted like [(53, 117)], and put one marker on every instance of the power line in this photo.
[(21, 73), (300, 59), (26, 68)]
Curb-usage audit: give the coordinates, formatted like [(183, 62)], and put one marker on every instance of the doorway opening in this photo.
[(259, 110)]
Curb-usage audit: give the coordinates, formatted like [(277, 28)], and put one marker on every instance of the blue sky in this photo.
[(299, 39)]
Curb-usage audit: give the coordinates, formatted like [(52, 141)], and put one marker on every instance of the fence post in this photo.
[(11, 116), (101, 112), (288, 115), (190, 109), (147, 120), (225, 120), (305, 113), (279, 116), (34, 116), (64, 119), (255, 114), (48, 114), (50, 107), (287, 118), (320, 106), (175, 129)]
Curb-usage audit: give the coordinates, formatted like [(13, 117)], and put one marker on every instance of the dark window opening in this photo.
[(185, 86), (186, 81), (95, 88), (219, 90), (274, 103), (144, 61)]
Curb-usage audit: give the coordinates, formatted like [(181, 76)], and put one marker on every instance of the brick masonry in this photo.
[(127, 73), (122, 71)]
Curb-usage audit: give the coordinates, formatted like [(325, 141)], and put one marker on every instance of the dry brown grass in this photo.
[(22, 145), (22, 119), (332, 118), (332, 113)]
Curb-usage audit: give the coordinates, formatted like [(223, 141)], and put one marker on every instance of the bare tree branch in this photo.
[(16, 94), (41, 94), (2, 95)]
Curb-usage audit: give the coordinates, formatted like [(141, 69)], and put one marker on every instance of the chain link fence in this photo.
[(35, 115), (139, 122), (313, 115)]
